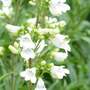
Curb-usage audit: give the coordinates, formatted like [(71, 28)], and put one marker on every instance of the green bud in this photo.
[(43, 62), (51, 64), (13, 49), (16, 45), (1, 50)]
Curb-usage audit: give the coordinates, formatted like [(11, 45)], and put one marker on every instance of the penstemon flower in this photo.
[(6, 10), (29, 74), (27, 54), (6, 7), (58, 7), (40, 85), (26, 42), (13, 28), (60, 41), (31, 22), (59, 72), (60, 56), (6, 3)]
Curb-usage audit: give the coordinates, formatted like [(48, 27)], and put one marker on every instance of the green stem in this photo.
[(13, 81), (18, 7), (40, 13), (13, 74), (30, 65)]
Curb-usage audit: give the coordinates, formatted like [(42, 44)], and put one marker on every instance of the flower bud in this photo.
[(60, 56), (16, 45), (1, 50), (13, 49), (43, 62), (62, 23), (51, 64), (12, 28)]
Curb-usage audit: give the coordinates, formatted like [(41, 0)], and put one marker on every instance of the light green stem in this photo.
[(30, 65)]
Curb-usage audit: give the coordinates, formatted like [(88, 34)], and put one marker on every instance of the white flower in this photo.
[(7, 10), (60, 56), (59, 72), (26, 42), (61, 42), (62, 23), (32, 3), (40, 85), (29, 74), (41, 46), (32, 21), (27, 54), (6, 3), (29, 29), (27, 47), (57, 7), (13, 28)]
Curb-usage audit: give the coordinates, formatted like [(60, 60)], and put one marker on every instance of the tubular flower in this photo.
[(29, 74), (40, 85), (57, 7), (61, 42), (60, 56), (6, 7), (26, 42), (13, 28), (27, 54), (41, 46), (59, 72)]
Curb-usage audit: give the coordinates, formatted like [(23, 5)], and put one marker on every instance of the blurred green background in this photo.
[(78, 62)]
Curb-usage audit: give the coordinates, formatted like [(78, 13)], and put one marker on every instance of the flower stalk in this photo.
[(30, 65), (41, 13)]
